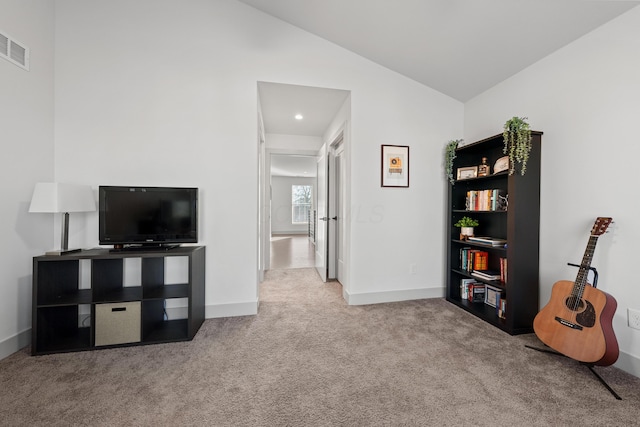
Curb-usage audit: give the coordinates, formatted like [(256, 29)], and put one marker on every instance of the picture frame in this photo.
[(394, 171), (492, 296), (467, 172), (501, 165)]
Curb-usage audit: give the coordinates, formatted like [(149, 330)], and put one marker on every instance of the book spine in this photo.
[(502, 313), (503, 270), (464, 252)]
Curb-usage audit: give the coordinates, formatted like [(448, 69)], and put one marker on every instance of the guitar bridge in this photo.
[(568, 324)]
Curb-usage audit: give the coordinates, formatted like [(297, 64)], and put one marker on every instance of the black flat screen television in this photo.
[(147, 216)]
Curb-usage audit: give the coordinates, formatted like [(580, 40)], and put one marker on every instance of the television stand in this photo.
[(102, 311), (144, 248)]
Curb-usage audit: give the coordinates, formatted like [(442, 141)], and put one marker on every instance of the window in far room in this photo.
[(300, 203)]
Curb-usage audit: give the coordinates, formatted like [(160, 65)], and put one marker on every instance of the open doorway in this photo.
[(293, 186), (300, 121)]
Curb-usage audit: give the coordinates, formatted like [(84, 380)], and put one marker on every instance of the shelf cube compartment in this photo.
[(158, 326), (61, 328)]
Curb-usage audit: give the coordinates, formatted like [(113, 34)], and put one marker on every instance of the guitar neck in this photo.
[(583, 272)]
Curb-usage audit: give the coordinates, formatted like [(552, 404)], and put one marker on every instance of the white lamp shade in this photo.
[(54, 197)]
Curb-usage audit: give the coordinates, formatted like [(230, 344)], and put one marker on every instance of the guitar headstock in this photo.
[(601, 225)]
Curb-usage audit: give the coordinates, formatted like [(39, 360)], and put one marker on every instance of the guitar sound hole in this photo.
[(575, 304)]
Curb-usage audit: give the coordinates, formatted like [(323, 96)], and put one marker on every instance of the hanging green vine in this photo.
[(449, 155), (517, 143)]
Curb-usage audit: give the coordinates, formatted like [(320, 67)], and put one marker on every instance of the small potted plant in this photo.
[(466, 225)]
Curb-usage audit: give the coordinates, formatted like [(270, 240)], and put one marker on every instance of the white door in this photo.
[(322, 213)]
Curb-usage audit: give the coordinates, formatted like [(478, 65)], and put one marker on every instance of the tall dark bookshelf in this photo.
[(519, 225)]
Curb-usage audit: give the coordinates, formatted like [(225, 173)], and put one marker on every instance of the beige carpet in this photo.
[(308, 359)]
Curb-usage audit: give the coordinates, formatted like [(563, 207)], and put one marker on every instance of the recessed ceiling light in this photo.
[(299, 117)]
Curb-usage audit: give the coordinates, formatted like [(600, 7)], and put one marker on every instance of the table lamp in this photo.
[(53, 197)]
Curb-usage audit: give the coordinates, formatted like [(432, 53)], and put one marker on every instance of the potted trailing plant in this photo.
[(517, 143), (466, 225), (449, 155)]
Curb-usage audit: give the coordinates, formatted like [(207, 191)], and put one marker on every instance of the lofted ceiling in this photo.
[(458, 47)]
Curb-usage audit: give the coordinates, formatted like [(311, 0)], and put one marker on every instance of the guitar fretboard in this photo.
[(583, 272)]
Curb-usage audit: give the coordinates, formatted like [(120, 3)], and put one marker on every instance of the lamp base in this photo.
[(62, 252)]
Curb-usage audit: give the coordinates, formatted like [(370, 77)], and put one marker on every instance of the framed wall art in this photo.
[(468, 172), (395, 166)]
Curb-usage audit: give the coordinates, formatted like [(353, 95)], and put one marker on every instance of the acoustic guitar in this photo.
[(577, 321)]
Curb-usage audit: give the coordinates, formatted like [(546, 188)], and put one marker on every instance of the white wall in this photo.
[(26, 120), (281, 215), (585, 100), (393, 228), (164, 94)]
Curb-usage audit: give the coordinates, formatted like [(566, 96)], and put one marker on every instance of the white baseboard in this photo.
[(628, 363), (249, 308), (15, 343), (392, 296)]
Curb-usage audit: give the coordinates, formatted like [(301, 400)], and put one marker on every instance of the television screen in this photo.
[(147, 215)]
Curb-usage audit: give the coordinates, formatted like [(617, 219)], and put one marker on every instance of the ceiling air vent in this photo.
[(4, 45), (14, 51)]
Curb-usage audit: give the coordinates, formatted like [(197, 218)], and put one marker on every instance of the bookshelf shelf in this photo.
[(479, 245), (518, 225)]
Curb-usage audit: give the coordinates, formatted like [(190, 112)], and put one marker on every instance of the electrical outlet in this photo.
[(634, 318), (412, 269)]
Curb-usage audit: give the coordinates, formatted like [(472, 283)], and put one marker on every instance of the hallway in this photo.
[(291, 251)]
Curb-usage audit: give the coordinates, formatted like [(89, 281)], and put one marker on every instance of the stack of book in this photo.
[(488, 240), (486, 274), (470, 288)]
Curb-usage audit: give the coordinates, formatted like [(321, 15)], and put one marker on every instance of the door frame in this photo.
[(336, 207), (264, 234), (342, 136)]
